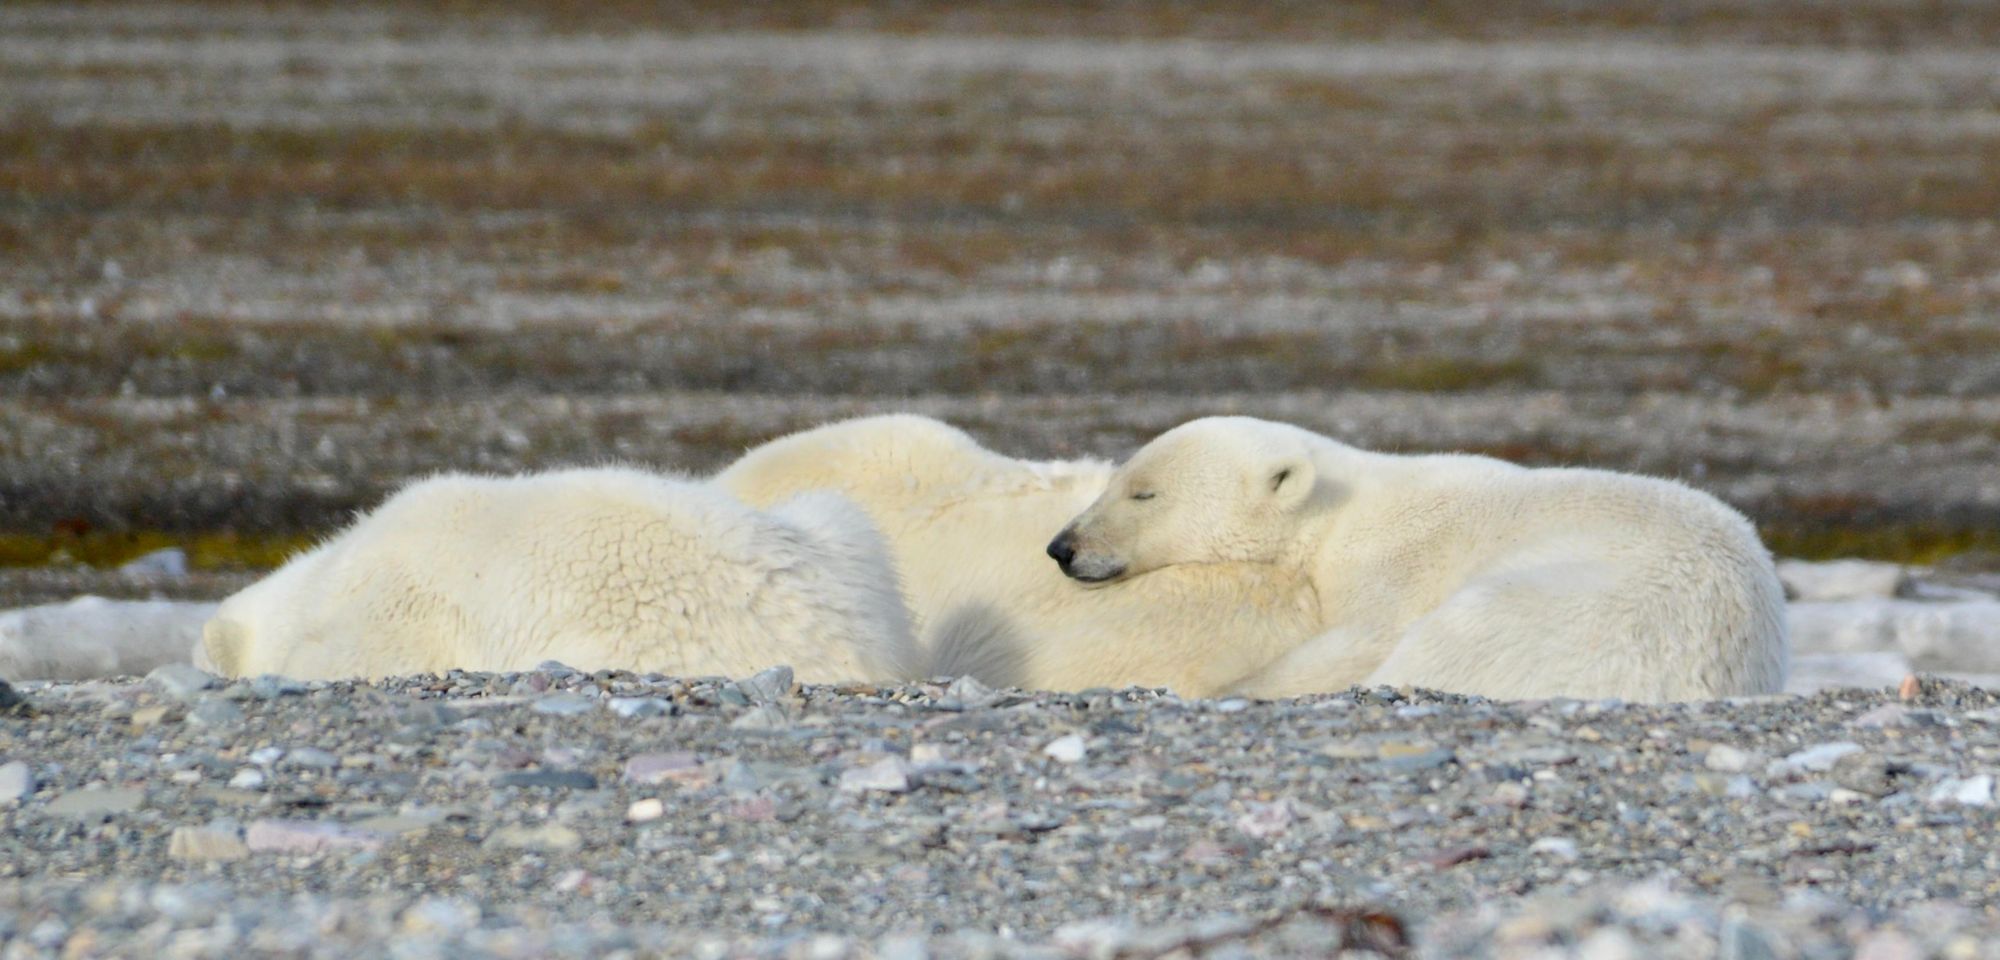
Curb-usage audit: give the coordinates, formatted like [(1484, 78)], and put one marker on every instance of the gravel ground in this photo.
[(561, 812), (260, 262)]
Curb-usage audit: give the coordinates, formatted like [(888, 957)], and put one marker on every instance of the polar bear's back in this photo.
[(1578, 579), (596, 568)]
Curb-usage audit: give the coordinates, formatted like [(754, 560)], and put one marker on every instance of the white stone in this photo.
[(16, 782), (1724, 758), (1561, 848), (206, 843), (1813, 672), (1969, 791), (1068, 749), (890, 775), (1842, 579), (1819, 758), (90, 638), (642, 811), (168, 564), (1961, 637)]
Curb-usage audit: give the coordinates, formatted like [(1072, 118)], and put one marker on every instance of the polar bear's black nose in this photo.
[(1062, 549)]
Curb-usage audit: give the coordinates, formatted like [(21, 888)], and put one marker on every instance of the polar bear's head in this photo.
[(1221, 489)]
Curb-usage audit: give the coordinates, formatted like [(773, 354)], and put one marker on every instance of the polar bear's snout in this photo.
[(1086, 568)]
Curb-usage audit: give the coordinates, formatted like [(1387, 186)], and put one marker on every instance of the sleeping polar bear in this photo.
[(968, 527), (596, 568), (1454, 572)]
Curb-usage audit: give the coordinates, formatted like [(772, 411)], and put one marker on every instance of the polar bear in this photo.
[(597, 568), (1453, 572), (968, 527)]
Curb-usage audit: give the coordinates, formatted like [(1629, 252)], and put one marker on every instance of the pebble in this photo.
[(889, 775), (1816, 759), (17, 781), (652, 768), (1724, 758), (768, 686), (547, 779), (215, 712), (307, 836), (96, 804), (542, 838), (1561, 848), (638, 708), (248, 778), (1065, 749), (1265, 820), (1969, 791), (207, 843), (642, 811), (763, 717), (564, 705), (170, 563), (967, 693), (182, 680), (11, 700), (271, 686), (312, 758)]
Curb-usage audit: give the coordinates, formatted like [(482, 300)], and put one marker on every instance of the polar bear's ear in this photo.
[(1290, 481)]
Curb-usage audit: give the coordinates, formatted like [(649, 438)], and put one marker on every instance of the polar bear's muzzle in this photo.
[(1085, 568)]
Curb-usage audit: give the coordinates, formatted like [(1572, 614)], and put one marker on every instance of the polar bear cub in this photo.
[(597, 568), (968, 526), (1454, 572)]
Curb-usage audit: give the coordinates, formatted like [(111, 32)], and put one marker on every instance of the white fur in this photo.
[(969, 528), (597, 568), (1453, 572)]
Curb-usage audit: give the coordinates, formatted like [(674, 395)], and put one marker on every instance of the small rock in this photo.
[(1724, 758), (96, 804), (1969, 791), (1842, 580), (270, 686), (182, 680), (763, 717), (564, 705), (652, 768), (11, 701), (1561, 848), (639, 708), (206, 843), (439, 917), (967, 693), (1264, 820), (17, 781), (215, 712), (768, 686), (1818, 759), (312, 758), (307, 836), (168, 564), (1886, 715), (547, 779), (1413, 756), (1864, 773), (1066, 749), (400, 824), (543, 838), (147, 717), (642, 811), (890, 775), (248, 778)]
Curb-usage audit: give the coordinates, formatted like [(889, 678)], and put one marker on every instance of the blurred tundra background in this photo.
[(261, 262)]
